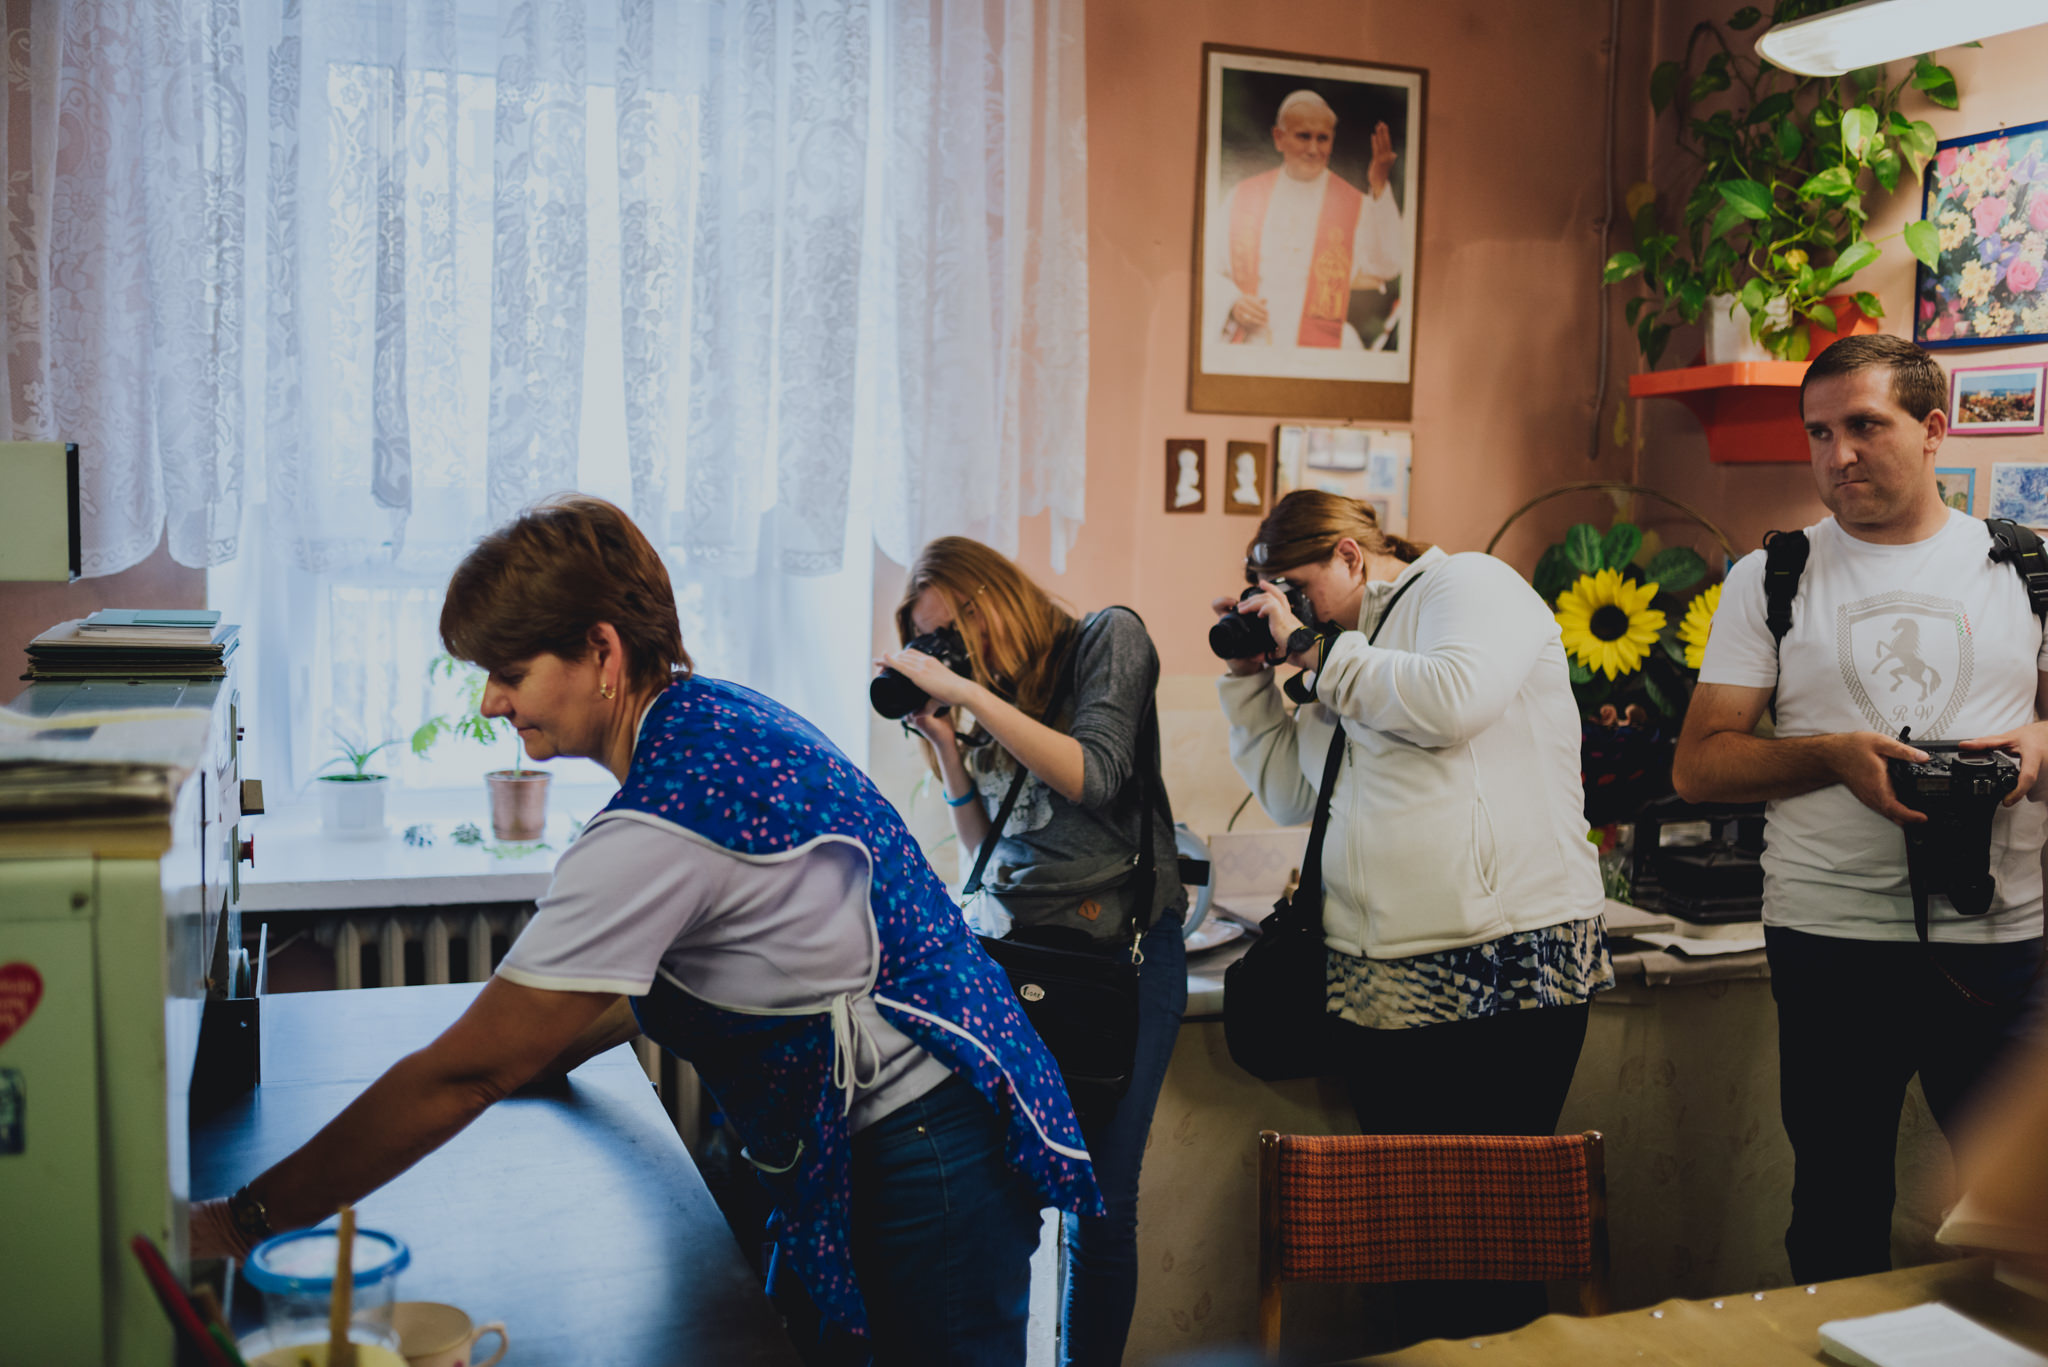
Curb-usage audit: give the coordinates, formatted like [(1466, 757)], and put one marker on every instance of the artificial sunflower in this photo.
[(1699, 621), (1608, 622)]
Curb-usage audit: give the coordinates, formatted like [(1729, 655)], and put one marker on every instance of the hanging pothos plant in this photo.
[(1776, 211)]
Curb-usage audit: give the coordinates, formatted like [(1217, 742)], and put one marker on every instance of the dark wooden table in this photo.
[(577, 1218)]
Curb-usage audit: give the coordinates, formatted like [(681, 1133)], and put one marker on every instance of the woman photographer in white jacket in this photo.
[(1461, 898)]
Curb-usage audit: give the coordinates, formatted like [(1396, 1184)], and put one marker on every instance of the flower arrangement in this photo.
[(1775, 216), (1634, 634), (1984, 240)]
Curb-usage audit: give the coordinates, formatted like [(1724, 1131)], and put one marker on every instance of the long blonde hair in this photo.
[(1305, 527), (1023, 635)]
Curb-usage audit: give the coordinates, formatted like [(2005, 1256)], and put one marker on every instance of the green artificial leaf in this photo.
[(1745, 18), (1620, 545), (1664, 84), (1676, 568), (1823, 317), (1937, 83), (1753, 294), (1771, 107), (1826, 114), (1867, 304), (1920, 141), (1554, 574), (1654, 343), (1923, 239), (1885, 165), (1750, 199), (1789, 140), (1692, 297), (1867, 78), (1658, 698), (1581, 674), (1833, 183), (1582, 548), (1713, 78), (1798, 344), (1621, 266), (1672, 647), (1634, 309), (1859, 125), (1853, 259)]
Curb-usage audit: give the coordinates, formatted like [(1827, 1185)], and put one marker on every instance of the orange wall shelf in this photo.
[(1750, 409)]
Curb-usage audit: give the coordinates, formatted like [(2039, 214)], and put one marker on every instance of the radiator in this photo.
[(373, 950)]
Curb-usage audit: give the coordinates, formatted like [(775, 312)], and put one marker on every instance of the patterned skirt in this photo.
[(1559, 965)]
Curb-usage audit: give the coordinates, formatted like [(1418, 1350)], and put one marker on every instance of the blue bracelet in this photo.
[(962, 801)]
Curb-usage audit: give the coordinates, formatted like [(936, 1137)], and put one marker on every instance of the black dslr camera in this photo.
[(1243, 635), (1949, 854), (894, 696)]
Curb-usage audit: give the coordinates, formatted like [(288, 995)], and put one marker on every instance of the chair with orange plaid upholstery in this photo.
[(1405, 1208)]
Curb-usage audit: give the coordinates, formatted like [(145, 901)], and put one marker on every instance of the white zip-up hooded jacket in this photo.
[(1458, 815)]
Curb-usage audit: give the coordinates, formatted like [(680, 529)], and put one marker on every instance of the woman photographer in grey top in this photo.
[(1067, 701)]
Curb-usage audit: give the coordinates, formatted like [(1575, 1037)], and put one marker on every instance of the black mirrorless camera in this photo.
[(1949, 854), (894, 696), (1244, 635)]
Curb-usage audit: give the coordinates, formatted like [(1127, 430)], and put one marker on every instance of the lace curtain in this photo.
[(784, 277)]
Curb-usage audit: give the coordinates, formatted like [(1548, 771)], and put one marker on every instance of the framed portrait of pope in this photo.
[(1308, 211)]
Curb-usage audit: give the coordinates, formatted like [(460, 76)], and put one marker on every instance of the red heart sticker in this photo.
[(21, 988)]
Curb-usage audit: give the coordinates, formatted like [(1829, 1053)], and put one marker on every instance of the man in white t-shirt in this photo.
[(1297, 240), (1901, 619)]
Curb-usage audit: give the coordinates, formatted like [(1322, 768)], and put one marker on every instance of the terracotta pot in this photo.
[(1848, 317), (519, 803)]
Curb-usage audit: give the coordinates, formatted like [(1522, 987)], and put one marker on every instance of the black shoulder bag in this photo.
[(1083, 1001), (1276, 1020)]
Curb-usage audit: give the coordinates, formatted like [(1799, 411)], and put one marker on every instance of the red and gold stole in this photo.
[(1329, 277)]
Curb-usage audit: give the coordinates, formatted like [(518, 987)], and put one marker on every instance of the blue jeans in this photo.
[(1102, 1250), (1856, 1020), (943, 1233)]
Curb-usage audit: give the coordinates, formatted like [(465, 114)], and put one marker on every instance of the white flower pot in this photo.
[(1727, 327), (352, 808)]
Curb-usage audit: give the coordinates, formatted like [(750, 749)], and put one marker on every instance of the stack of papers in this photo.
[(94, 765), (134, 644), (1925, 1336)]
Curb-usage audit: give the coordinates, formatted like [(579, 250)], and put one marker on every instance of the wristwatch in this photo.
[(251, 1219), (1300, 639)]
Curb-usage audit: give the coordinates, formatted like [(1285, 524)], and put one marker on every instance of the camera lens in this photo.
[(894, 696), (1240, 636)]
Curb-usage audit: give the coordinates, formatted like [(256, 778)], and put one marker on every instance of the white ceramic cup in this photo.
[(435, 1335)]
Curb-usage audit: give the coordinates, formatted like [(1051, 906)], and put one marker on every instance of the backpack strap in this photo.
[(2021, 547), (1784, 561)]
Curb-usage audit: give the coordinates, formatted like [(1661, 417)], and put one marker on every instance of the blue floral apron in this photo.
[(743, 772)]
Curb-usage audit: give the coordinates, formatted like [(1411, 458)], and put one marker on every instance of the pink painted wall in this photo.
[(2000, 86), (1506, 329)]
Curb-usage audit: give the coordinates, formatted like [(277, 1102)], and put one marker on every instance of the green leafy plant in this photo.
[(1776, 210), (357, 756), (470, 723)]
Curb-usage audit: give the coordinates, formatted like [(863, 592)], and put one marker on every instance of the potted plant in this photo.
[(519, 795), (1773, 221), (352, 804)]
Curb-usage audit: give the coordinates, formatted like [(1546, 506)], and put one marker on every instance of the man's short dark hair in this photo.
[(1919, 384)]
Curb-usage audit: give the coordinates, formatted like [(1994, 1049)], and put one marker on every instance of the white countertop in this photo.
[(301, 868)]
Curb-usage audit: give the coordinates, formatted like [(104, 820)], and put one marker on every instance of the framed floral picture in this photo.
[(1987, 197)]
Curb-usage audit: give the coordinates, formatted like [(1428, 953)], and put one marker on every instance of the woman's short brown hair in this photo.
[(543, 580), (1305, 527)]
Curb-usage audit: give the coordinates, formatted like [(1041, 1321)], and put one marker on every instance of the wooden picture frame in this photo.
[(1245, 472), (1187, 475), (1346, 347)]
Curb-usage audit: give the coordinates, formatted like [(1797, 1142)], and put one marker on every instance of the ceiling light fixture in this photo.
[(1879, 31)]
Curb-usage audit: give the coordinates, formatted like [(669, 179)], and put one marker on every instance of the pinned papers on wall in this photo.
[(1373, 464)]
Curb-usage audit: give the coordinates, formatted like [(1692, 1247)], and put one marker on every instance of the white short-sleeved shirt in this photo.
[(1933, 636), (635, 897)]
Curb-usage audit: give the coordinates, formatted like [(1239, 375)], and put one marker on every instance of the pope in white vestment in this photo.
[(1294, 242)]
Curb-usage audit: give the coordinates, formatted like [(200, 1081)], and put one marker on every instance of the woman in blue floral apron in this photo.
[(751, 902)]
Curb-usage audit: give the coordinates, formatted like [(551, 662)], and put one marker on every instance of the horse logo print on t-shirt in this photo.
[(1906, 659)]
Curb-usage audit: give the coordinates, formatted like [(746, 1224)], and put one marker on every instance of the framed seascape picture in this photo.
[(1308, 208), (1987, 197), (1358, 462), (1958, 487), (1995, 400)]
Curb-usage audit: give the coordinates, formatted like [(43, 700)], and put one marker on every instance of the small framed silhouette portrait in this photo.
[(1244, 478), (1186, 488)]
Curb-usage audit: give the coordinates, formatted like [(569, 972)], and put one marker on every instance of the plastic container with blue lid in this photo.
[(295, 1273)]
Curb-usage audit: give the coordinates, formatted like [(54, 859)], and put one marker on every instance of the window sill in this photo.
[(299, 867)]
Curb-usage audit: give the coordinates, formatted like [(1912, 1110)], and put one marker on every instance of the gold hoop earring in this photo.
[(607, 691)]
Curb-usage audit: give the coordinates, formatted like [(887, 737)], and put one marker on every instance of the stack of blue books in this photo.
[(135, 643)]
